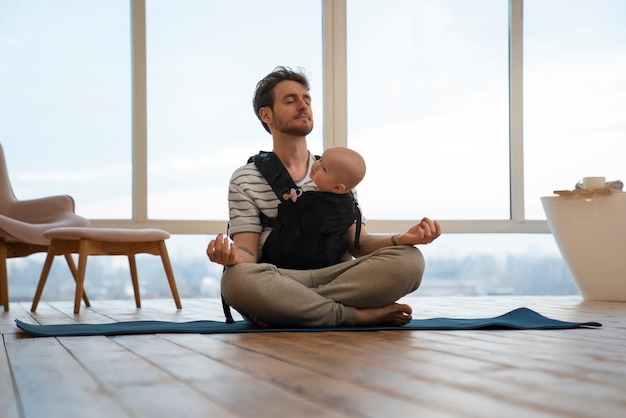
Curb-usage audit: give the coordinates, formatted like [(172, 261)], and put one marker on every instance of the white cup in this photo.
[(591, 183)]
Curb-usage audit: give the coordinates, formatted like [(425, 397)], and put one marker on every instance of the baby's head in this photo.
[(339, 170)]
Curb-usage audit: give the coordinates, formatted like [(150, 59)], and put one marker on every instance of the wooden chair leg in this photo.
[(80, 277), (42, 280), (133, 275), (169, 273), (72, 266), (4, 278)]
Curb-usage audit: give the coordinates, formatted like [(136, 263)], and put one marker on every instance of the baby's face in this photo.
[(323, 179)]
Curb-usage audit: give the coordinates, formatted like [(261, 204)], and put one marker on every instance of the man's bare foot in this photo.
[(259, 323), (394, 314)]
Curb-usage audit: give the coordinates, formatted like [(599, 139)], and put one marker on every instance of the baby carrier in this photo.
[(309, 230)]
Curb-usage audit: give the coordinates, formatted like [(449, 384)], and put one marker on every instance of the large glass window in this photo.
[(495, 264), (109, 277), (503, 264), (428, 107), (65, 102), (574, 95), (204, 59)]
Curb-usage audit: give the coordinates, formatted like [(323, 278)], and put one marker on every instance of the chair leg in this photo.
[(80, 277), (165, 258), (133, 275), (4, 278), (72, 266), (42, 280)]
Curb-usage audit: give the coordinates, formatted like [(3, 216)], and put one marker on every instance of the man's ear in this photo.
[(266, 115)]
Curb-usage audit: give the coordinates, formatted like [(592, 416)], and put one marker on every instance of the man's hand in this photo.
[(424, 232), (223, 251)]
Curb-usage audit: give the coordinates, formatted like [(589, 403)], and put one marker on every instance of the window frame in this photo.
[(335, 130)]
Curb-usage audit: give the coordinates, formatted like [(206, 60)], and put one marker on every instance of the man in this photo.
[(359, 291)]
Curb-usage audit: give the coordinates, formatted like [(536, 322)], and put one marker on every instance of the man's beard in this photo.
[(292, 130)]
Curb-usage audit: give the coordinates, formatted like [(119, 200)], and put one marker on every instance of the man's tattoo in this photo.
[(246, 250)]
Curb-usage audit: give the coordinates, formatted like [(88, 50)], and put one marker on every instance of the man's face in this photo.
[(292, 114)]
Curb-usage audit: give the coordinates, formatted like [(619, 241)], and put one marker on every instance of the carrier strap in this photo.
[(227, 313), (275, 173)]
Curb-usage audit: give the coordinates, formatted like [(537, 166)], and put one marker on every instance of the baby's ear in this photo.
[(340, 188)]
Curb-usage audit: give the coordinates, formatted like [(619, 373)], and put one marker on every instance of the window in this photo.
[(428, 107), (65, 104), (495, 264), (574, 94), (204, 60)]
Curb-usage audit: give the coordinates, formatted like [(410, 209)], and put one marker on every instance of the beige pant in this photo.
[(323, 297)]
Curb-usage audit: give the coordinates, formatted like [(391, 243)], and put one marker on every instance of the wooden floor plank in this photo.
[(51, 383), (346, 397), (390, 377), (219, 382), (491, 373), (8, 400), (7, 319), (136, 384)]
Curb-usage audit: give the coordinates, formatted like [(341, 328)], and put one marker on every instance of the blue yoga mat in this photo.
[(521, 318)]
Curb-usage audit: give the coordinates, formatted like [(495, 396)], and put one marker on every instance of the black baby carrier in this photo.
[(309, 230)]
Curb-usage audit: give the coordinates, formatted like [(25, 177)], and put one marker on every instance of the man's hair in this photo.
[(264, 93)]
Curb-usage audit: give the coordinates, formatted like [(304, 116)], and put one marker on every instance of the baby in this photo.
[(338, 171)]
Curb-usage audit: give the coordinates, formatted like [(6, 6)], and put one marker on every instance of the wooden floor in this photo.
[(497, 373)]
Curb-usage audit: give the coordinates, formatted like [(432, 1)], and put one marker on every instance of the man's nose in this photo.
[(302, 104)]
